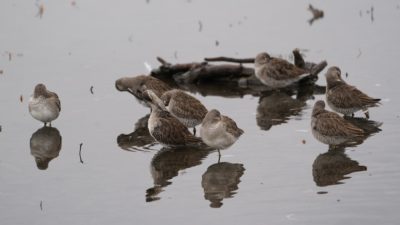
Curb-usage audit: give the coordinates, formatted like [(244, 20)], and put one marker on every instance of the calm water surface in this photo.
[(274, 174)]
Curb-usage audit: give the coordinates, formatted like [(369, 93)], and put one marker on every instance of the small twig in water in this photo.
[(200, 26), (80, 152), (359, 53)]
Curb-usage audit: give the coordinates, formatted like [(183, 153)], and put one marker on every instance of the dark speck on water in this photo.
[(91, 89), (216, 43), (80, 152)]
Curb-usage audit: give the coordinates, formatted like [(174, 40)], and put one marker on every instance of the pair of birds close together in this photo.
[(174, 111)]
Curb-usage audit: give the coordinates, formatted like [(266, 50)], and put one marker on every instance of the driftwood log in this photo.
[(227, 76)]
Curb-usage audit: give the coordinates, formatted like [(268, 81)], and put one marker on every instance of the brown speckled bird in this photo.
[(185, 107), (330, 128), (277, 73), (166, 128), (139, 84), (344, 98)]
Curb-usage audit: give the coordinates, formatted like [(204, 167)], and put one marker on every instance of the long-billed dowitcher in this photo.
[(277, 73), (344, 98), (139, 84), (330, 128), (44, 105), (166, 128), (189, 110), (219, 131)]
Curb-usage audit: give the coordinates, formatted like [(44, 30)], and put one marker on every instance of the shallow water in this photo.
[(90, 43)]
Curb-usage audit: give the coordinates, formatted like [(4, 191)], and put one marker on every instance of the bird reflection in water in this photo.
[(167, 163), (45, 145), (276, 107), (139, 140), (221, 181), (333, 166)]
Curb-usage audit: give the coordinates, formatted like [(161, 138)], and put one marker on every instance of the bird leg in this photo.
[(219, 156), (194, 131), (366, 112)]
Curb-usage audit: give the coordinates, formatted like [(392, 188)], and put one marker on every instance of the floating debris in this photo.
[(216, 43), (80, 152), (371, 12), (359, 53), (91, 89), (200, 26), (317, 14), (40, 11), (303, 141), (21, 98)]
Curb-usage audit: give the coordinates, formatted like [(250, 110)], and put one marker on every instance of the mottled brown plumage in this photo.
[(139, 84), (166, 128), (344, 98), (185, 107), (330, 128), (277, 73)]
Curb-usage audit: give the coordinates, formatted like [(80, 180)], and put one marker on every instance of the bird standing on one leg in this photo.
[(219, 131), (44, 105)]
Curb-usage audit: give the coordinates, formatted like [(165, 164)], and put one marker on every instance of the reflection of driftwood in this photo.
[(276, 108), (139, 140)]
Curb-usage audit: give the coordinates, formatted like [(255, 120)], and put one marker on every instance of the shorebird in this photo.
[(166, 128), (277, 73), (344, 98), (139, 84), (44, 105), (330, 128), (185, 107), (219, 131)]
